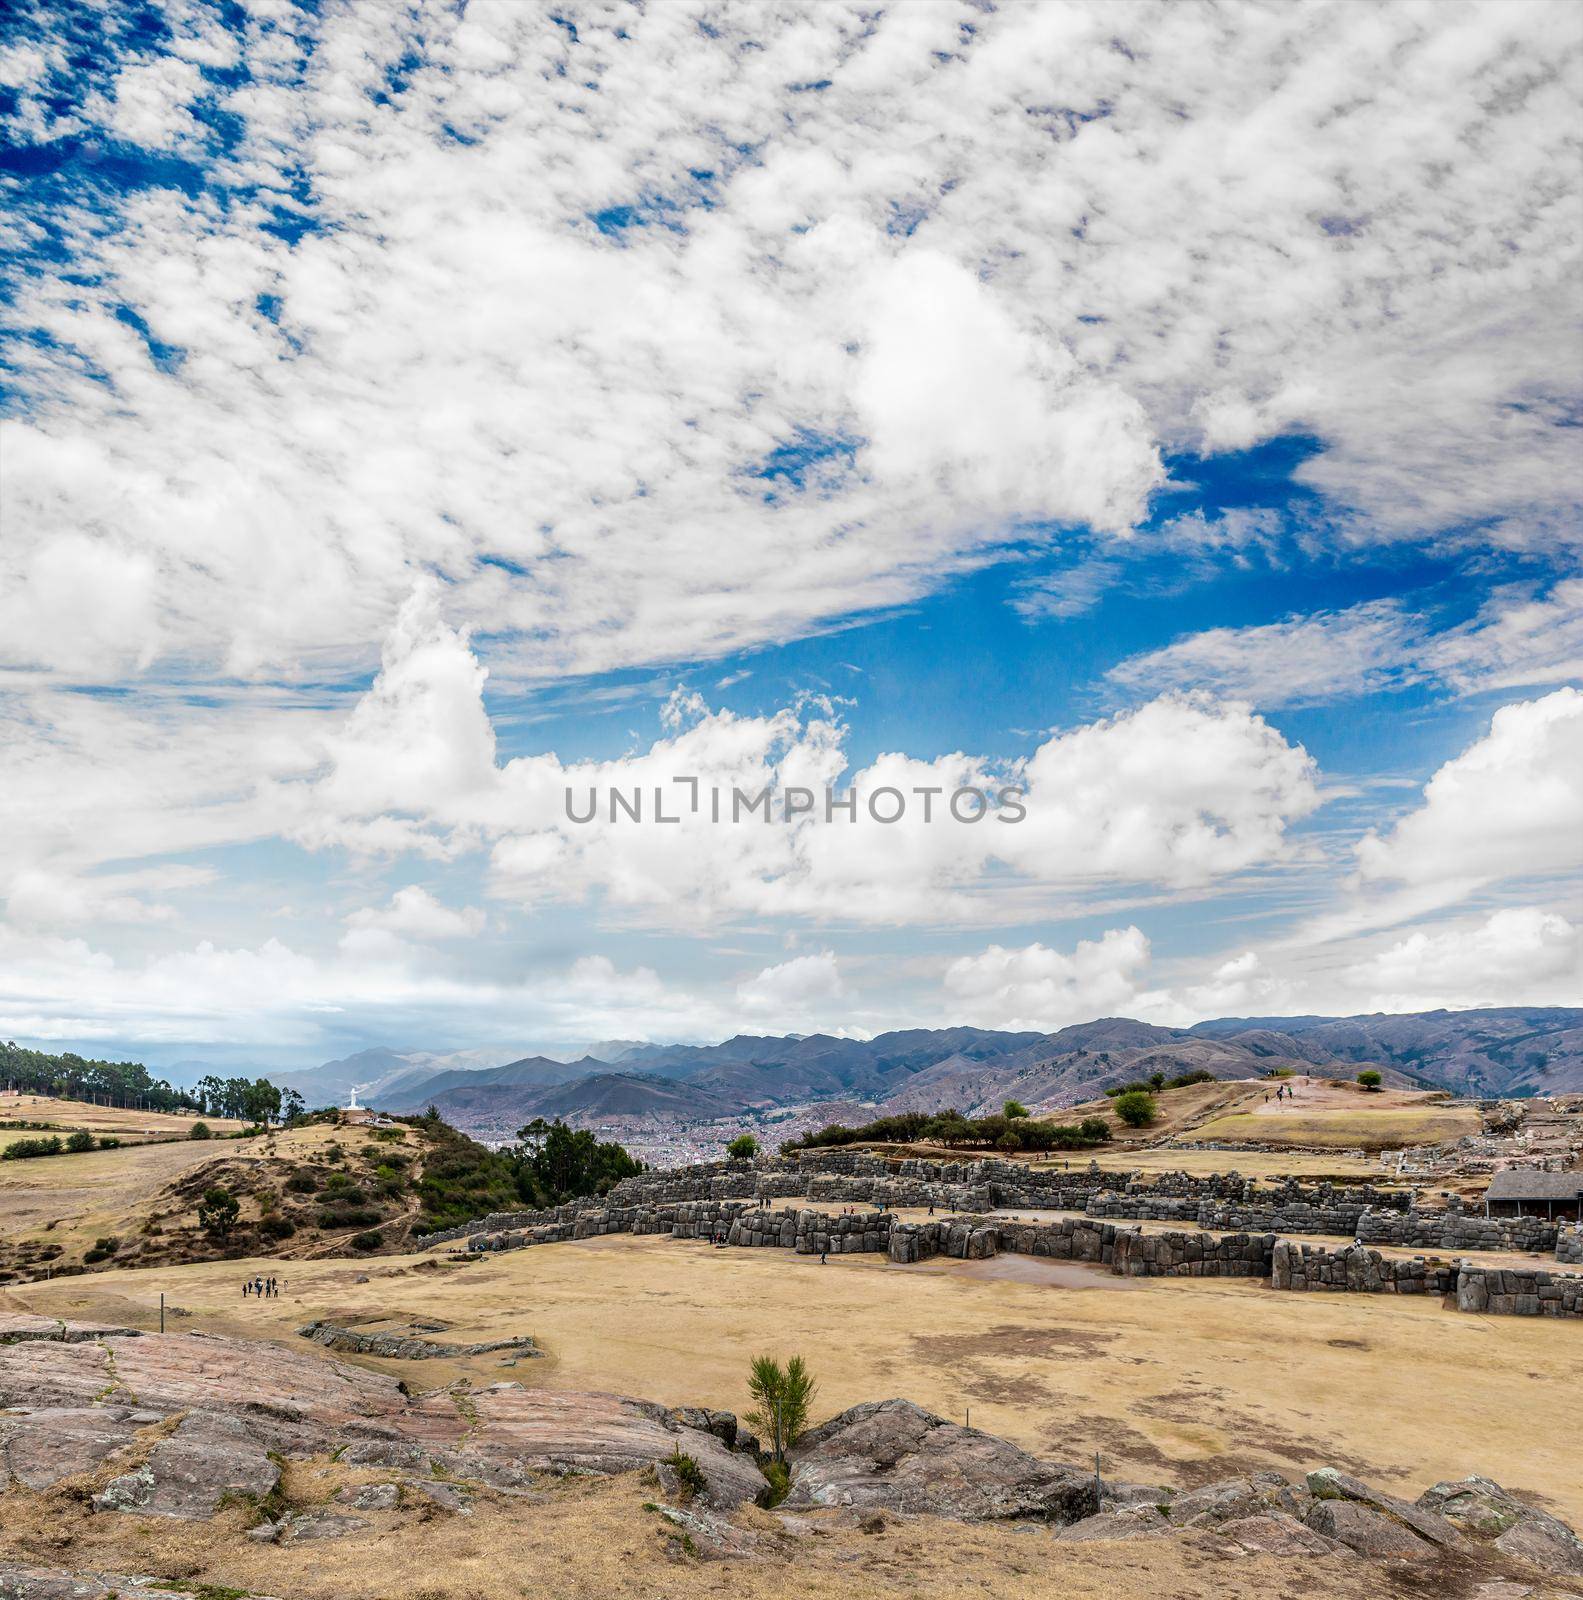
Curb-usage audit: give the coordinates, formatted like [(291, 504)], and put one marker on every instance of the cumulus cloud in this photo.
[(1035, 987), (1182, 792), (1522, 954), (1510, 805), (791, 988), (413, 912)]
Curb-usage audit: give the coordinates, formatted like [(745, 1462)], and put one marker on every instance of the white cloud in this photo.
[(1521, 955), (1517, 638), (798, 990), (1510, 805), (1181, 792), (1005, 256), (415, 913), (1326, 655), (1036, 987)]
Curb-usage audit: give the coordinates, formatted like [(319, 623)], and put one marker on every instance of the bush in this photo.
[(1137, 1108), (1371, 1080), (199, 1130), (80, 1141), (777, 1483), (1183, 1080), (743, 1148), (277, 1227), (108, 1143), (688, 1473), (1094, 1130), (29, 1149), (371, 1240), (218, 1212), (349, 1217), (1013, 1108), (301, 1182)]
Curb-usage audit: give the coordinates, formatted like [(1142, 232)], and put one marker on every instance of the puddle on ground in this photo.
[(1029, 1269)]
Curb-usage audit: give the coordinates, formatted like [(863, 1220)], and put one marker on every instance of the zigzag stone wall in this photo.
[(1569, 1247)]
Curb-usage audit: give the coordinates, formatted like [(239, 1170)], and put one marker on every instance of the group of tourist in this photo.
[(260, 1288)]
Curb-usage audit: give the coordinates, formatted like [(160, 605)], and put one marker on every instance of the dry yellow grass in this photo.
[(1360, 1127), (71, 1200), (597, 1540), (73, 1114), (1175, 1380)]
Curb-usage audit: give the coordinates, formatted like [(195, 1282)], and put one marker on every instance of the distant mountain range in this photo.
[(1501, 1053)]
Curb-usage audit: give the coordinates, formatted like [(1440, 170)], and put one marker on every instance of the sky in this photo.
[(1162, 420)]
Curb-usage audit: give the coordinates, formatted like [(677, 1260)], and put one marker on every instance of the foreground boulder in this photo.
[(1486, 1511), (896, 1456), (1368, 1520)]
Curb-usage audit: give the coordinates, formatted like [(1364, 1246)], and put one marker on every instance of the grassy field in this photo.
[(1360, 1127), (69, 1115), (1171, 1380), (71, 1200)]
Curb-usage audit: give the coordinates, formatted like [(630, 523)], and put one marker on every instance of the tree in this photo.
[(217, 1212), (79, 1141), (1371, 1080), (1137, 1108), (781, 1398), (199, 1130), (1014, 1108), (1095, 1129), (292, 1105), (743, 1148), (260, 1100)]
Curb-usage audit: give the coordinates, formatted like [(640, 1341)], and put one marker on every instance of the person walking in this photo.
[(821, 1257), (247, 1287)]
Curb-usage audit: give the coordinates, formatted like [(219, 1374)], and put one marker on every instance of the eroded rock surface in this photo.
[(895, 1455), (1485, 1510)]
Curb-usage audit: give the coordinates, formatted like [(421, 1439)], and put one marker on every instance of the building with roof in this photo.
[(1521, 1192)]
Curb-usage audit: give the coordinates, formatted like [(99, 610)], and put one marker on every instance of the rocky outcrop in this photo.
[(199, 1419), (1484, 1510), (22, 1327), (894, 1455), (406, 1347)]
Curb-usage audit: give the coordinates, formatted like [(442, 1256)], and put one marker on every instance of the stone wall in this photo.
[(813, 1232), (1500, 1291), (1191, 1255), (1357, 1270), (1569, 1247), (1456, 1230), (1519, 1292)]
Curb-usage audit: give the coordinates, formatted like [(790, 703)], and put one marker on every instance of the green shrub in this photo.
[(777, 1483), (107, 1143), (277, 1227), (218, 1212), (1014, 1108), (199, 1130), (1137, 1108), (781, 1400), (1185, 1079), (743, 1148), (371, 1240), (688, 1473), (1094, 1130), (30, 1149), (1371, 1080), (301, 1182), (349, 1217), (80, 1141)]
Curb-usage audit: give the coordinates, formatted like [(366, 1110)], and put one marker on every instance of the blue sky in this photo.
[(409, 414)]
